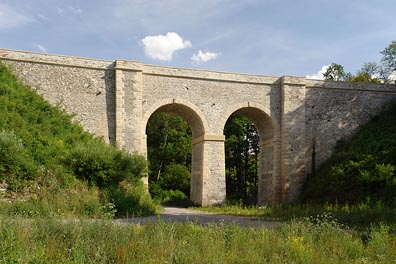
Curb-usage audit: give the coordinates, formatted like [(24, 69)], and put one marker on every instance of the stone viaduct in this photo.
[(299, 120)]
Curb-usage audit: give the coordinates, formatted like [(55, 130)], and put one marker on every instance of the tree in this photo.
[(370, 73), (335, 72), (168, 143), (365, 78), (242, 150), (389, 62), (370, 68)]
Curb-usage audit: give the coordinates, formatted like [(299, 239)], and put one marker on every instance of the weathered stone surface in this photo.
[(299, 121), (334, 111)]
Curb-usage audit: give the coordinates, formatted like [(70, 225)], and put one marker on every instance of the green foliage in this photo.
[(241, 151), (169, 154), (15, 162), (335, 72), (91, 162), (46, 132), (49, 197), (365, 78), (360, 216), (169, 197), (176, 177), (103, 165), (389, 62), (40, 141), (318, 240), (131, 199), (168, 142), (362, 169), (371, 72)]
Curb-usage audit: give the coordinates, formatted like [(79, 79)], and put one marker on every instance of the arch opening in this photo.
[(188, 114), (250, 157), (170, 130)]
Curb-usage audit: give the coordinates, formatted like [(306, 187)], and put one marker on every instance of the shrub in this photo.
[(92, 162), (176, 177), (103, 165), (173, 188), (131, 199), (15, 163)]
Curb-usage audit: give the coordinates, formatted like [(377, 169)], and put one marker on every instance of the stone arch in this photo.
[(269, 156), (199, 127), (253, 111), (183, 108)]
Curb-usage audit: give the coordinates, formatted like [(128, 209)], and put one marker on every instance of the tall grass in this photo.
[(359, 216), (49, 199), (55, 241)]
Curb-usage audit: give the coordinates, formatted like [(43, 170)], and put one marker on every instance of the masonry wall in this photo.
[(336, 110), (84, 87), (215, 94)]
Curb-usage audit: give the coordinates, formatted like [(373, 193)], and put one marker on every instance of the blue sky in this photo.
[(268, 37)]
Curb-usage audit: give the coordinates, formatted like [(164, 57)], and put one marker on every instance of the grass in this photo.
[(103, 241), (360, 216)]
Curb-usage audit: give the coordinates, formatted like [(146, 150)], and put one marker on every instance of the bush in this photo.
[(176, 177), (15, 163), (168, 197), (176, 198), (103, 165), (173, 188), (131, 199), (92, 161)]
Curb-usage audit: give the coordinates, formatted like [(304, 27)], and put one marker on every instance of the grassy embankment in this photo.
[(51, 167)]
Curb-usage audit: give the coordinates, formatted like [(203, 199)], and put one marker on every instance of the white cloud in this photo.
[(75, 10), (42, 17), (319, 74), (67, 10), (162, 47), (9, 18), (41, 48), (202, 57)]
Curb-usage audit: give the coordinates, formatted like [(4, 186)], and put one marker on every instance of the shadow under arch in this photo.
[(199, 127), (268, 167)]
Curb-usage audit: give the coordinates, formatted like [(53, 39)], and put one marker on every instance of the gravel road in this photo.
[(170, 214)]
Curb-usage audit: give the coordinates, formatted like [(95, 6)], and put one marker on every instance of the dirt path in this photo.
[(170, 214)]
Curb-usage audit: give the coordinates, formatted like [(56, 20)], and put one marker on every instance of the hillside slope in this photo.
[(361, 170), (40, 146)]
